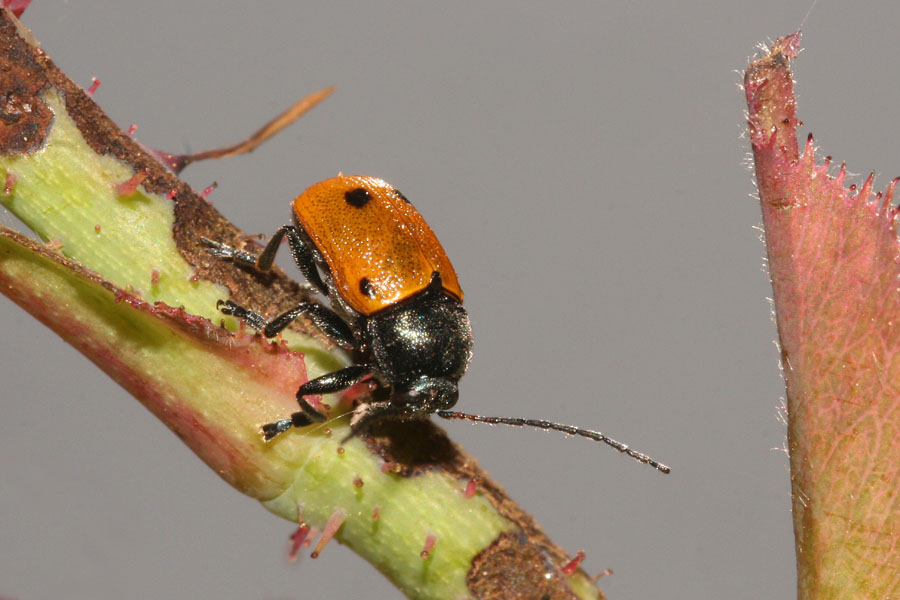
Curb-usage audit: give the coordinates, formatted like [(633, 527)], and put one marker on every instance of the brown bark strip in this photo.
[(512, 568), (24, 117)]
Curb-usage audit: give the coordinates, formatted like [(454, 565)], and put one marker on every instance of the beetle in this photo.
[(395, 302)]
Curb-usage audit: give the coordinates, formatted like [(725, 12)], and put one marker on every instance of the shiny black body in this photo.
[(416, 350)]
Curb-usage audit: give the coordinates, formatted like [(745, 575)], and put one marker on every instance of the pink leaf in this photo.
[(833, 259)]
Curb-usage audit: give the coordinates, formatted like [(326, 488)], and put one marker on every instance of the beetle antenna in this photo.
[(549, 425)]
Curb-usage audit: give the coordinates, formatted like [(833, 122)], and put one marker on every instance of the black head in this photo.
[(428, 394)]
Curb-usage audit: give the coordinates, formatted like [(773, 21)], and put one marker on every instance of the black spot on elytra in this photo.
[(357, 198), (365, 286), (401, 196)]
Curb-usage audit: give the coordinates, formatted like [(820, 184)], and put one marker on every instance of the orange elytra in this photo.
[(379, 249)]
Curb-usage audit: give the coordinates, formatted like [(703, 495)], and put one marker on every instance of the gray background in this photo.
[(584, 168)]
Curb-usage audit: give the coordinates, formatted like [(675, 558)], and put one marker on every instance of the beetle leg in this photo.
[(261, 263), (331, 325), (326, 384), (253, 319), (299, 251), (298, 419), (225, 251), (332, 382), (324, 319)]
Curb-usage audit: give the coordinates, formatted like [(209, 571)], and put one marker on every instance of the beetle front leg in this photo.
[(332, 382), (326, 384)]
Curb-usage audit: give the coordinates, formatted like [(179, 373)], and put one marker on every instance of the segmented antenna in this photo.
[(549, 425)]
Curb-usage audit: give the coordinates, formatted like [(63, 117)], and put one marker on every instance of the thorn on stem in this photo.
[(471, 488), (297, 539), (570, 567), (430, 541), (130, 185), (208, 190), (9, 183), (334, 523), (95, 83)]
